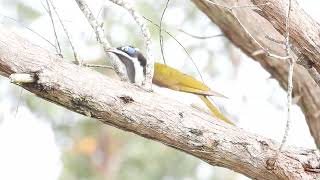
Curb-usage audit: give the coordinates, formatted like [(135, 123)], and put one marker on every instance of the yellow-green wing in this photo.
[(171, 78)]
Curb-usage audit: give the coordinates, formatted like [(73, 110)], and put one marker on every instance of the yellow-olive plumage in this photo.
[(165, 76), (168, 77)]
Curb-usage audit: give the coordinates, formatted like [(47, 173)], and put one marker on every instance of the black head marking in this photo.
[(143, 62)]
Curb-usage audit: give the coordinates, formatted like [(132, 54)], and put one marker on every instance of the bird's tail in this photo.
[(215, 111), (206, 92)]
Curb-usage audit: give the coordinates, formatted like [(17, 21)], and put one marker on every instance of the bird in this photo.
[(165, 76)]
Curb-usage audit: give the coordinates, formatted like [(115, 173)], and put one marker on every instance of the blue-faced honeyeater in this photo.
[(165, 76)]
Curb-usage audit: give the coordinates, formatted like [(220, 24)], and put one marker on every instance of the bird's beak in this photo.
[(114, 50), (118, 52)]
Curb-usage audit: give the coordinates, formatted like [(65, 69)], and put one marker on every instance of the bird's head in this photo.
[(125, 51), (133, 60)]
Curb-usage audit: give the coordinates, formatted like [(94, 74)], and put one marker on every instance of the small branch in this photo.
[(76, 59), (147, 39), (275, 40), (58, 48), (31, 30), (291, 63), (278, 56), (181, 45), (160, 32), (21, 78), (19, 102), (231, 10), (118, 67), (201, 37), (271, 162)]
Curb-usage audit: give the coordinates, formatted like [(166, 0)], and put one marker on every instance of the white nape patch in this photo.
[(139, 76)]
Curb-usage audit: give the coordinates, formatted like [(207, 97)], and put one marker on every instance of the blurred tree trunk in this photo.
[(269, 20)]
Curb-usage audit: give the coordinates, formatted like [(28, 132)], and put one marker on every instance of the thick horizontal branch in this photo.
[(261, 29), (150, 115)]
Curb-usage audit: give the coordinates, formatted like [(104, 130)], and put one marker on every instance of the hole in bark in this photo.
[(271, 163), (196, 132), (126, 99)]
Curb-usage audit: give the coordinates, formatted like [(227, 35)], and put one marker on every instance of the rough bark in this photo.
[(304, 34), (150, 115)]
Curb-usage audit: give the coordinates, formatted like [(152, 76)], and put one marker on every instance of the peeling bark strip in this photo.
[(150, 115), (261, 29)]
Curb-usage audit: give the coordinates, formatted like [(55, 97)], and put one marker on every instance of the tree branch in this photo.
[(260, 28), (150, 115), (116, 63)]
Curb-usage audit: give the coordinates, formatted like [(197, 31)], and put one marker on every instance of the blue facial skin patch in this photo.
[(130, 50)]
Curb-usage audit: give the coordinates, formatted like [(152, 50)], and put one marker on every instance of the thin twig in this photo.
[(97, 17), (200, 37), (58, 48), (76, 59), (115, 62), (290, 80), (147, 40), (180, 44), (31, 30), (275, 40), (160, 32), (19, 103), (231, 9), (185, 50), (271, 162)]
